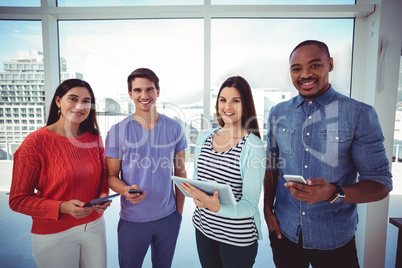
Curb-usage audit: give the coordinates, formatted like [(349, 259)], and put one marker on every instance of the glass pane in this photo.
[(397, 152), (20, 3), (20, 51), (395, 197), (106, 52), (282, 2), (258, 50), (98, 3)]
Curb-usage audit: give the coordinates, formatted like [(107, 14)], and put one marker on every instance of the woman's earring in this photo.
[(59, 112)]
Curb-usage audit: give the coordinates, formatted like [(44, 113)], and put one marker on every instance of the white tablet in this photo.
[(225, 192)]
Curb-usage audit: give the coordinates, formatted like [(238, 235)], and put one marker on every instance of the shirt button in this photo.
[(284, 129), (337, 138), (309, 117), (303, 213), (308, 133), (305, 166), (310, 102), (306, 149)]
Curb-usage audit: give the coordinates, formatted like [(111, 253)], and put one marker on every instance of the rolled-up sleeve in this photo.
[(368, 150)]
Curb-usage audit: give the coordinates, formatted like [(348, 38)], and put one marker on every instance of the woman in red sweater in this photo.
[(57, 169)]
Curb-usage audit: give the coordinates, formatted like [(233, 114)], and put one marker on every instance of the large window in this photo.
[(192, 45), (18, 36), (258, 50), (21, 43), (106, 52), (180, 51)]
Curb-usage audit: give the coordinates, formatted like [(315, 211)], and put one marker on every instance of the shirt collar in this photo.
[(324, 99)]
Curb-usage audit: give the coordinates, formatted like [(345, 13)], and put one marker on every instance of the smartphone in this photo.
[(100, 200), (134, 191), (295, 178)]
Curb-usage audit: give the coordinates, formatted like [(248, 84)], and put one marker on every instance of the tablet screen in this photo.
[(225, 192), (100, 200)]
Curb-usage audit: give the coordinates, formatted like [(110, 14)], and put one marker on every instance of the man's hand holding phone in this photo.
[(134, 191), (310, 191), (134, 194)]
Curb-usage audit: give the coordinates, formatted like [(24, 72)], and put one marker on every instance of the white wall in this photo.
[(370, 31)]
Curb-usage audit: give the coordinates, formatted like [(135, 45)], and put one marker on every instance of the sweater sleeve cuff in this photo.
[(55, 210)]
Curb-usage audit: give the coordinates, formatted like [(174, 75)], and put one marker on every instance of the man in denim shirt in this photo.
[(336, 144)]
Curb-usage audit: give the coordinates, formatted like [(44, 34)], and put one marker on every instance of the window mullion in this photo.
[(207, 63), (50, 57)]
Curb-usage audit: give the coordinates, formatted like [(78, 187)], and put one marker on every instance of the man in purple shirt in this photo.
[(142, 152), (336, 144)]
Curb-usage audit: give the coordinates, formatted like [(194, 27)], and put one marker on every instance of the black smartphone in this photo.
[(100, 200), (134, 191)]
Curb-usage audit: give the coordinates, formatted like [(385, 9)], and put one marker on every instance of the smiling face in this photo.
[(230, 106), (144, 94), (309, 70), (75, 105)]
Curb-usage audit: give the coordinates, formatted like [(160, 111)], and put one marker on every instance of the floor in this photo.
[(16, 250)]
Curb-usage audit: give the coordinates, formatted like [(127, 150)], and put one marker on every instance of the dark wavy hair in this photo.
[(142, 73), (249, 118), (90, 124)]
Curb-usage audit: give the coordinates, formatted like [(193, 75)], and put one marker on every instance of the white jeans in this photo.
[(83, 246)]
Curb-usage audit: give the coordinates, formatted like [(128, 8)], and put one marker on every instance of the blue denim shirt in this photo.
[(333, 137)]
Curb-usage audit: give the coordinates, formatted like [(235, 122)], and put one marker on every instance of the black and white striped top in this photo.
[(223, 167)]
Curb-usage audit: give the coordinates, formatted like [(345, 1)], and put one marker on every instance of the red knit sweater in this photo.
[(50, 169)]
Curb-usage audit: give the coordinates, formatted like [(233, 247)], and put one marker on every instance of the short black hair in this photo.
[(319, 44)]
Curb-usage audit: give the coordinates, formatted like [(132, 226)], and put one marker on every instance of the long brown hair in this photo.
[(90, 124), (249, 118)]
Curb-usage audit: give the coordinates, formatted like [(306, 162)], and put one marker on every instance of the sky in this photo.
[(106, 52), (258, 49)]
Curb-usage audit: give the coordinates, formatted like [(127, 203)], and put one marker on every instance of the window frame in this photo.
[(50, 14), (366, 51)]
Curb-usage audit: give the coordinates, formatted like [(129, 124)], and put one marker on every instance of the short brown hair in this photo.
[(142, 73)]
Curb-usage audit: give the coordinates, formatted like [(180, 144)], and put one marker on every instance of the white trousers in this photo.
[(83, 246)]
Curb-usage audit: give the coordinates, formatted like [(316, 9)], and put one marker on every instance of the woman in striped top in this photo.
[(233, 154)]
